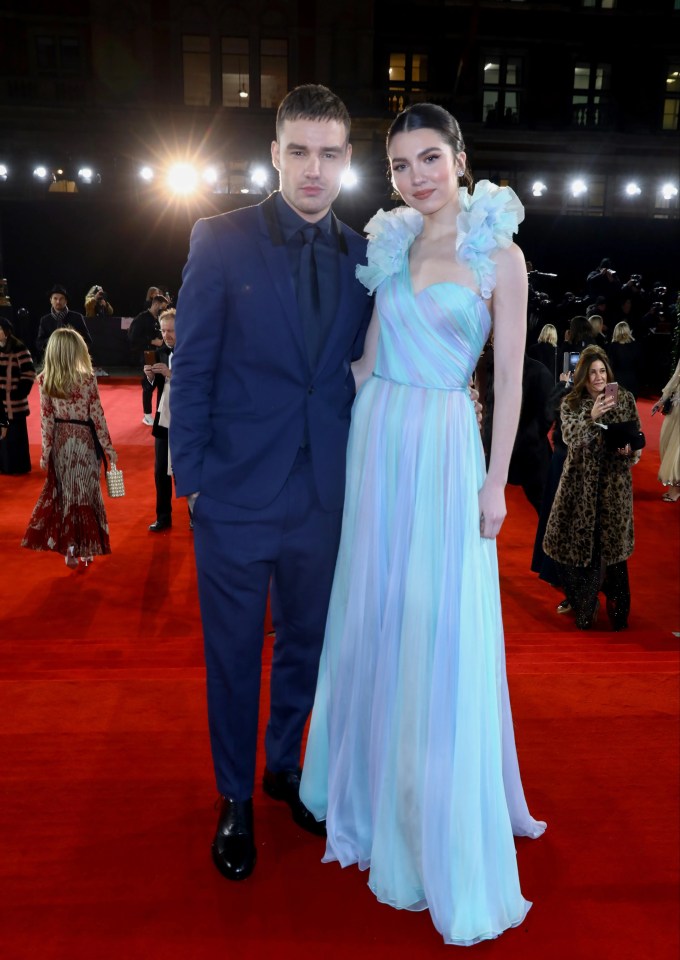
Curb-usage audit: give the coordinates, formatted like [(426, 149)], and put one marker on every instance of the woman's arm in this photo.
[(46, 427), (363, 368), (96, 413), (509, 324)]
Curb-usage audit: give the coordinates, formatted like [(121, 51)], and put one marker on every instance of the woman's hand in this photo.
[(657, 406), (43, 464), (601, 406), (492, 510)]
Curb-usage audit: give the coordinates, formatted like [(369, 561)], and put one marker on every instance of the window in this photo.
[(589, 202), (58, 55), (408, 77), (589, 98), (600, 4), (196, 67), (501, 93), (671, 103), (235, 72), (273, 72)]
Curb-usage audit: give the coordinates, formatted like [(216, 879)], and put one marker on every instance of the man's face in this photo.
[(168, 332), (58, 301), (311, 157), (157, 306)]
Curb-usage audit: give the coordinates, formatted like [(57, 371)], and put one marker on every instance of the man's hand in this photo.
[(474, 396), (161, 368), (148, 371), (157, 342)]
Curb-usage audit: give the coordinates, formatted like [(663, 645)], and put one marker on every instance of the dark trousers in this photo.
[(163, 481), (291, 544)]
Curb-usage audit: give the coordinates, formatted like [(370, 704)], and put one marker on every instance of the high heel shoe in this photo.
[(86, 561), (70, 559)]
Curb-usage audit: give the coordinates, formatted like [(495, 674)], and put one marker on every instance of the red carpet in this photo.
[(106, 807)]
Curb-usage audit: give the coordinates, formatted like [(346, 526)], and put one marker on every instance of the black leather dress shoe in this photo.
[(233, 849), (286, 786), (158, 525)]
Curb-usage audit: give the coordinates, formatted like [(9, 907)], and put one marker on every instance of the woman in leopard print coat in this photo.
[(590, 529)]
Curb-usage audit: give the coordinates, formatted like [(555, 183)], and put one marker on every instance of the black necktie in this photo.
[(309, 300)]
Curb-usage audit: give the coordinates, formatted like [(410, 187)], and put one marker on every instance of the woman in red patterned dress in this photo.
[(69, 517)]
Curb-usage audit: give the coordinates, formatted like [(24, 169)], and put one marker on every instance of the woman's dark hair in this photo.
[(429, 116), (585, 362), (580, 333)]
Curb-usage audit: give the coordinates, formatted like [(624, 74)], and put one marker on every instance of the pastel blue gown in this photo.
[(411, 755)]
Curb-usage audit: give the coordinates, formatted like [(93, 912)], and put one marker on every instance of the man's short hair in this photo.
[(159, 298), (312, 101), (168, 314)]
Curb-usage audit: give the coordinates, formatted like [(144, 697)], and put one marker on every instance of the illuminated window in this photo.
[(600, 4), (502, 77), (590, 94), (273, 72), (196, 67), (408, 78), (671, 102), (235, 72)]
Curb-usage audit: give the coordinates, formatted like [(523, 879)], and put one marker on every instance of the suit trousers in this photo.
[(291, 545), (162, 480)]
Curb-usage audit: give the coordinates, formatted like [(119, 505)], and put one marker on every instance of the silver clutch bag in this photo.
[(114, 482)]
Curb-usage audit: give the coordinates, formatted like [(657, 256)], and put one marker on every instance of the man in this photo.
[(145, 334), (157, 377), (60, 316), (261, 398)]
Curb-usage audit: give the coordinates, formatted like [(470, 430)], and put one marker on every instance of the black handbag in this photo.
[(617, 435), (667, 406)]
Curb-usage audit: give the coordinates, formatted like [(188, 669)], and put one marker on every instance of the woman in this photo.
[(669, 441), (17, 376), (411, 756), (69, 517), (545, 350), (624, 357), (590, 528), (96, 304)]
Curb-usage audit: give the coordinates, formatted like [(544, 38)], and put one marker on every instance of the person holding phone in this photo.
[(157, 366), (590, 529), (145, 337)]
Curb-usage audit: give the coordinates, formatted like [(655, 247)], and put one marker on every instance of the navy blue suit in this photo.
[(262, 437)]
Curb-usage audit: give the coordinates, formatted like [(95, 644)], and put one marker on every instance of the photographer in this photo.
[(604, 282), (96, 303)]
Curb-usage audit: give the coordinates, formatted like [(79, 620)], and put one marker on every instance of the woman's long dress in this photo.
[(411, 755), (70, 509), (669, 441)]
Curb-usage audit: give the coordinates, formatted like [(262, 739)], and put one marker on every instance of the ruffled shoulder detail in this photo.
[(487, 220), (390, 235)]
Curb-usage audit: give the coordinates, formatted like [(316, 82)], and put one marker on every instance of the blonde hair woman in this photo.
[(624, 356), (548, 335), (545, 350), (622, 333), (69, 517)]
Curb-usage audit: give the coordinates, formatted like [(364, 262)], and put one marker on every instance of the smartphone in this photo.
[(150, 357), (612, 390)]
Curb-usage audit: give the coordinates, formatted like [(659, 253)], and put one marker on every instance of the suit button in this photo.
[(310, 390)]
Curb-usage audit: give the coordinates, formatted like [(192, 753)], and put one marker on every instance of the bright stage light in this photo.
[(350, 179), (578, 187), (182, 178), (146, 173), (538, 188), (668, 191), (40, 173), (86, 174), (210, 176), (259, 177), (633, 190), (4, 172)]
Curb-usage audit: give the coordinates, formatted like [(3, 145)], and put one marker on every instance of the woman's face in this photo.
[(424, 170), (597, 378)]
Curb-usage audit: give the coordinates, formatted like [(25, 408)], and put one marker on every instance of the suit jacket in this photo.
[(243, 395), (48, 325), (158, 384)]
